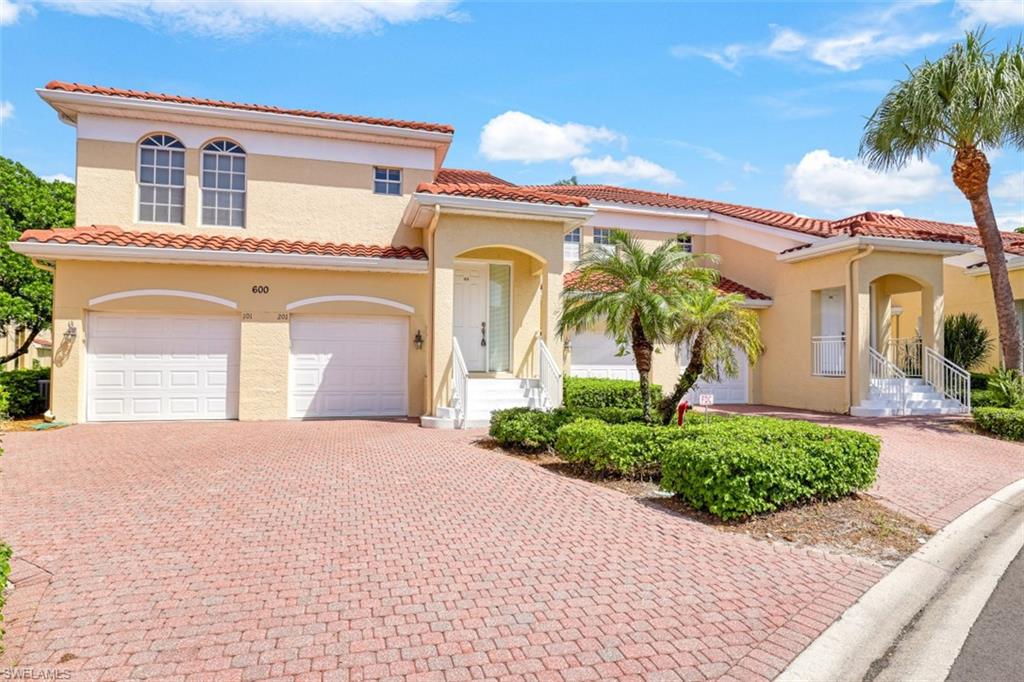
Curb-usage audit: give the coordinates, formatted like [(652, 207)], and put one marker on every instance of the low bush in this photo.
[(630, 450), (5, 403), (622, 393), (5, 570), (1001, 421), (734, 468), (22, 387), (1006, 388), (981, 397), (979, 381), (531, 430)]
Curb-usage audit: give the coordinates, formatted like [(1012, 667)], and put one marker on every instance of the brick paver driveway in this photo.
[(357, 550)]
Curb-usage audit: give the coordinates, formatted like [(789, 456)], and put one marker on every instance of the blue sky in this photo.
[(754, 103)]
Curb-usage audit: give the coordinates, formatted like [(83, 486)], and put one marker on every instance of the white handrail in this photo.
[(550, 375), (947, 377), (828, 355), (905, 353), (460, 385), (885, 376)]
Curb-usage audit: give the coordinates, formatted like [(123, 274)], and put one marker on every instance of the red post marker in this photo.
[(683, 407)]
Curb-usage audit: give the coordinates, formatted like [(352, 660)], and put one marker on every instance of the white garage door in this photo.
[(161, 367), (728, 391), (594, 355), (348, 366)]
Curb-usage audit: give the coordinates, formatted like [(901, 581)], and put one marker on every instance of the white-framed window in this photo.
[(387, 181), (686, 241), (571, 247), (161, 180), (602, 235), (223, 184)]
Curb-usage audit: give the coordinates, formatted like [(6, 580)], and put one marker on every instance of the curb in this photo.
[(867, 630)]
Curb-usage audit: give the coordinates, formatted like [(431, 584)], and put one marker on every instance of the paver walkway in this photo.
[(931, 468), (358, 550)]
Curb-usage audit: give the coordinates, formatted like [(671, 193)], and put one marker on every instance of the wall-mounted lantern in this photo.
[(418, 340), (71, 332)]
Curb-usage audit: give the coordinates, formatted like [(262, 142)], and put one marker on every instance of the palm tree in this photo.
[(969, 100), (634, 293), (713, 325)]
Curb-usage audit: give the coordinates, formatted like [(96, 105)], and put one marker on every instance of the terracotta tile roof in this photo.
[(447, 176), (178, 99), (111, 235), (503, 192), (725, 285), (873, 224), (625, 195)]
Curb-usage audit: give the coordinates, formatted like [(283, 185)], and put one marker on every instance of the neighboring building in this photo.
[(252, 262), (38, 355)]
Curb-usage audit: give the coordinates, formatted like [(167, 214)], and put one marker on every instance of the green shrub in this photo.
[(5, 403), (631, 450), (581, 392), (1001, 421), (737, 467), (5, 570), (966, 341), (1006, 388), (23, 391), (979, 381), (982, 398), (611, 415), (524, 428)]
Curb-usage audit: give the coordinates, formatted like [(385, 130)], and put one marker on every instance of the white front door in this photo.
[(161, 367), (348, 366), (833, 324), (470, 314)]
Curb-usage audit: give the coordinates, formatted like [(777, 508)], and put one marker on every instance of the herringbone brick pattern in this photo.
[(364, 550)]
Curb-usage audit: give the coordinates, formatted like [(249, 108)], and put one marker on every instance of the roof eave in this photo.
[(842, 243), (1013, 262), (526, 209), (149, 254)]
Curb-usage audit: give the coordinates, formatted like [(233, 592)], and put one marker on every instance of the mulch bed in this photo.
[(857, 525)]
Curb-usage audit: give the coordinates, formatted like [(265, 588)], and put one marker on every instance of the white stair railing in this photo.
[(887, 379), (460, 385), (906, 354), (829, 356), (947, 377), (550, 376)]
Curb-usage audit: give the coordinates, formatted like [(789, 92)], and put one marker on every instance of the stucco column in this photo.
[(67, 367), (263, 368), (860, 338), (931, 316), (441, 333)]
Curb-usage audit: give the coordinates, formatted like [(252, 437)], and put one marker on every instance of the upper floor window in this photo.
[(161, 180), (223, 183), (686, 241), (571, 248), (387, 180)]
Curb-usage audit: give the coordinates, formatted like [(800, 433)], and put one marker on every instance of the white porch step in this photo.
[(487, 394)]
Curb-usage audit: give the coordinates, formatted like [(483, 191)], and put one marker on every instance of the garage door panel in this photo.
[(164, 367), (348, 366), (727, 390), (595, 356)]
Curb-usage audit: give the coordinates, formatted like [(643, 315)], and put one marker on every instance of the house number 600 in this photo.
[(260, 289)]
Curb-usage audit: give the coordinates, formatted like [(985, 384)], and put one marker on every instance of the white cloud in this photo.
[(857, 40), (1010, 221), (629, 168), (11, 12), (58, 176), (990, 12), (848, 186), (893, 211), (749, 168), (515, 136), (1010, 187), (6, 111), (237, 18)]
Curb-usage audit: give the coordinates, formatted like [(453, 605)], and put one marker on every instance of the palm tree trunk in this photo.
[(642, 351), (970, 174), (694, 368)]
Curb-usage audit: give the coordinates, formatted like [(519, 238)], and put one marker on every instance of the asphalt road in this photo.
[(994, 650)]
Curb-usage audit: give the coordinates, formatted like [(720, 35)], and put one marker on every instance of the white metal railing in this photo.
[(828, 355), (947, 377), (887, 378), (550, 375), (906, 354), (460, 385)]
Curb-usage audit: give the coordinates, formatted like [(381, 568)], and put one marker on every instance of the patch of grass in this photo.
[(5, 570)]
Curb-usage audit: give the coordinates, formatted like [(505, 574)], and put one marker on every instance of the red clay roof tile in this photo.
[(447, 176), (110, 235), (501, 192), (725, 285), (178, 99)]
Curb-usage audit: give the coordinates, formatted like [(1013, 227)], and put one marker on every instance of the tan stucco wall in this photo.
[(263, 381), (287, 198), (966, 293)]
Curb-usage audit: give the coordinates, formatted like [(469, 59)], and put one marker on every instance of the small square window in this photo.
[(387, 181), (602, 235), (573, 237), (686, 240)]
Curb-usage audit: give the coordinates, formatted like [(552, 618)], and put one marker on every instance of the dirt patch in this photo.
[(857, 524), (20, 424)]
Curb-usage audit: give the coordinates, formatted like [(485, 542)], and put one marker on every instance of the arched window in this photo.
[(223, 184), (161, 180)]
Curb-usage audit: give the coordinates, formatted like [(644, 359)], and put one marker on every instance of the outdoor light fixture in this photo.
[(418, 340), (71, 332), (897, 310)]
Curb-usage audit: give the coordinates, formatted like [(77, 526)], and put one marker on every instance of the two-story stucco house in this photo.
[(249, 262)]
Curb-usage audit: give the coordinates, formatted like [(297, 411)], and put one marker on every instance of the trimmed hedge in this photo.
[(734, 468), (622, 393), (982, 397), (531, 430), (23, 391), (1004, 422), (631, 450), (5, 402), (5, 570)]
